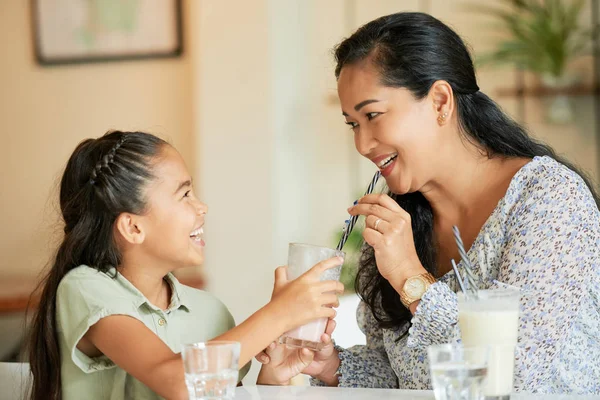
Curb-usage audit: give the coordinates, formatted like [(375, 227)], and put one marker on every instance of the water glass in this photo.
[(211, 369), (301, 258), (457, 372)]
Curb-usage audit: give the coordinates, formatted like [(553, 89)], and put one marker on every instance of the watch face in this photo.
[(414, 287)]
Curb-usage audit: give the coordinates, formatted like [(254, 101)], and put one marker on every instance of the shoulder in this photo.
[(546, 184), (87, 289), (205, 303), (85, 279)]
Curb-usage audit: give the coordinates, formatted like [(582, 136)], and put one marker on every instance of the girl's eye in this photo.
[(187, 194), (372, 115), (351, 124)]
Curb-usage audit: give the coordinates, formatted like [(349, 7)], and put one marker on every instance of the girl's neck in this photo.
[(151, 283)]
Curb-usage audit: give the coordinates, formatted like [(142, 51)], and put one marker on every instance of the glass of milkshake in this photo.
[(492, 319), (301, 258)]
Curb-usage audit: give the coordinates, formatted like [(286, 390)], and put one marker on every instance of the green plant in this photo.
[(352, 250), (544, 34)]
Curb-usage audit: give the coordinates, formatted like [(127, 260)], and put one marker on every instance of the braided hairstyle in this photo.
[(412, 51), (103, 178)]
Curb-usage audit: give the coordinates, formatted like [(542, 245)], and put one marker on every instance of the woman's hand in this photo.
[(281, 363), (388, 230), (306, 298)]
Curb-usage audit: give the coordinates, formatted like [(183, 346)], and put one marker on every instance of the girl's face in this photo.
[(391, 128), (174, 219)]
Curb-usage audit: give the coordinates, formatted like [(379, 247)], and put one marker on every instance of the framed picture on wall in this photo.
[(83, 31)]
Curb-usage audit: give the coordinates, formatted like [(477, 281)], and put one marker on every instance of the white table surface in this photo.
[(323, 393)]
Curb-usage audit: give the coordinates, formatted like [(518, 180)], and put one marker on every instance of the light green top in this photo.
[(85, 296)]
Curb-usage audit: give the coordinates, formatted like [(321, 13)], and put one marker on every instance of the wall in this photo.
[(46, 111)]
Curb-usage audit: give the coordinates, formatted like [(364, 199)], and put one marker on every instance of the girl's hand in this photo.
[(306, 298), (388, 230)]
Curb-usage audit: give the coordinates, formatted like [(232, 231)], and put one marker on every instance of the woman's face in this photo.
[(397, 133)]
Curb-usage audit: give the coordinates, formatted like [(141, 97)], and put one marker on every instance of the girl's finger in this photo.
[(318, 269)]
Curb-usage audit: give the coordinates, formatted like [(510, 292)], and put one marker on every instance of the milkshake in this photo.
[(493, 320), (301, 258)]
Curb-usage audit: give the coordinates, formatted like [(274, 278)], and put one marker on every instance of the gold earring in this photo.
[(442, 117)]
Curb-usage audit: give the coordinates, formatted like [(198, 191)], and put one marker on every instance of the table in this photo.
[(324, 393), (15, 293)]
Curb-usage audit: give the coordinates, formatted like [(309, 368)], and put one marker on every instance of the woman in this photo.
[(451, 157)]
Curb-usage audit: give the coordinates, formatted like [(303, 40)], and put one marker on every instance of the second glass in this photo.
[(301, 258), (211, 369), (457, 372), (492, 319)]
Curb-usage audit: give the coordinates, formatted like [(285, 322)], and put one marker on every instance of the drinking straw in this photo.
[(352, 221), (470, 277), (458, 277)]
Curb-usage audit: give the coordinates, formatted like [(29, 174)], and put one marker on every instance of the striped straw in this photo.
[(470, 277), (458, 277), (352, 221)]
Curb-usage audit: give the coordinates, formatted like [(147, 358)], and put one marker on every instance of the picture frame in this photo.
[(87, 31)]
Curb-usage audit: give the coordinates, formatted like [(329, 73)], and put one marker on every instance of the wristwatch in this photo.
[(415, 287)]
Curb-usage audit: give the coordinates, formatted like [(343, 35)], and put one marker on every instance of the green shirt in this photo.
[(85, 296)]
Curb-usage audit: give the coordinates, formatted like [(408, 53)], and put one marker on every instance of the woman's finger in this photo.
[(372, 209), (383, 200), (331, 324), (376, 223), (263, 358), (372, 237)]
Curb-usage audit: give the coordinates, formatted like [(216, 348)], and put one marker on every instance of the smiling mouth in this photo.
[(197, 234), (387, 161)]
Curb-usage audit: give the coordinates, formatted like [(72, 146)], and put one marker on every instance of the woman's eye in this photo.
[(351, 124), (372, 115), (187, 194)]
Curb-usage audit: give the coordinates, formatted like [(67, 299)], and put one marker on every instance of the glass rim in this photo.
[(338, 253), (451, 347), (212, 343), (491, 294)]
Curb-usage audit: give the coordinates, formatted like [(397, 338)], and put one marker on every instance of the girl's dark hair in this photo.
[(412, 51), (103, 178)]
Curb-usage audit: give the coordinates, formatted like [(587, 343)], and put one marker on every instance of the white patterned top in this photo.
[(544, 238)]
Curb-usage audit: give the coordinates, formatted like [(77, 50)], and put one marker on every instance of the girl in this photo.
[(112, 317)]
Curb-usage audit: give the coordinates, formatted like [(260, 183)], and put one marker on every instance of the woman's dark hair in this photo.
[(412, 51), (103, 178)]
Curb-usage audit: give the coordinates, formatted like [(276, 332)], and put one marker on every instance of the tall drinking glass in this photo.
[(492, 319), (301, 258)]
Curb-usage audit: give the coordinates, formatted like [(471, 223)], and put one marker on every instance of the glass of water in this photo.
[(458, 372), (211, 369)]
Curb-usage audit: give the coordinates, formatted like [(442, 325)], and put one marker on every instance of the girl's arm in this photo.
[(136, 349)]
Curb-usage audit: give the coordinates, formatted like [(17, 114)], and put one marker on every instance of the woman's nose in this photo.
[(365, 142)]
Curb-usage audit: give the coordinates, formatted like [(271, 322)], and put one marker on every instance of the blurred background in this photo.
[(245, 91)]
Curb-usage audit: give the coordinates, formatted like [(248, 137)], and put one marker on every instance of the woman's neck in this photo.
[(461, 192)]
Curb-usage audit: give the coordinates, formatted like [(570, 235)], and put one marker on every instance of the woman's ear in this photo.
[(130, 228), (442, 98)]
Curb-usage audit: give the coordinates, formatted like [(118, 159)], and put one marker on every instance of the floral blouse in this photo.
[(544, 238)]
